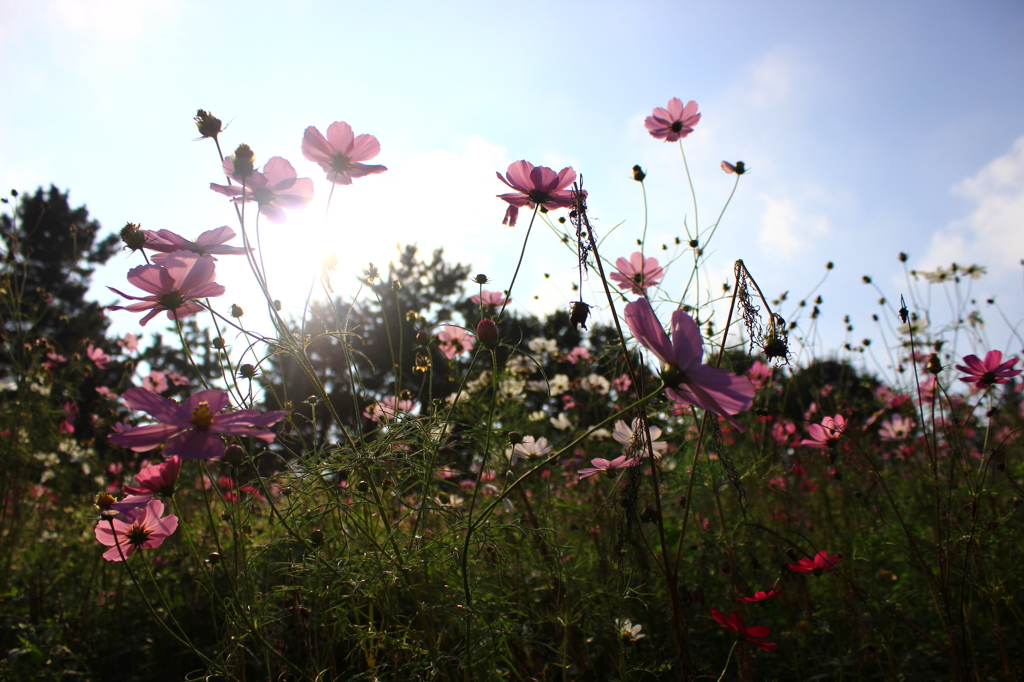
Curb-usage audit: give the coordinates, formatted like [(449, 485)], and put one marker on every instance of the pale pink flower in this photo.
[(759, 374), (897, 428), (191, 429), (453, 341), (274, 189), (622, 383), (638, 273), (70, 414), (627, 436), (130, 342), (688, 380), (599, 464), (156, 382), (494, 299), (675, 123), (991, 370), (341, 153), (388, 409), (535, 185), (576, 354), (826, 434), (172, 287), (176, 379), (530, 447), (819, 562), (144, 528), (209, 243), (98, 357)]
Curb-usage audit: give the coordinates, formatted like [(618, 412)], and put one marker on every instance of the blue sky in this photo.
[(871, 128)]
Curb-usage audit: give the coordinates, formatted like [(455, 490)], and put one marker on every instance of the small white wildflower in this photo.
[(512, 388), (629, 631), (596, 383), (538, 416), (540, 345), (559, 384), (561, 422)]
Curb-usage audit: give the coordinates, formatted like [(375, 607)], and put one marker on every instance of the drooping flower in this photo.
[(453, 341), (688, 380), (991, 370), (341, 153), (144, 528), (638, 273), (209, 243), (826, 434), (739, 168), (632, 437), (754, 634), (761, 596), (599, 464), (172, 287), (98, 357), (674, 123), (274, 189), (818, 563), (490, 298), (191, 429), (535, 185), (897, 428)]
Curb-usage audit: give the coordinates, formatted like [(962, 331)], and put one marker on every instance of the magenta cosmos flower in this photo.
[(688, 380), (535, 185), (991, 370), (172, 286), (818, 563), (341, 153), (144, 528), (156, 479), (673, 123), (761, 596), (274, 189), (754, 634), (637, 273), (826, 434), (191, 430), (210, 243)]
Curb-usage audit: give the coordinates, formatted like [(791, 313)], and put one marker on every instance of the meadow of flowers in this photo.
[(420, 483)]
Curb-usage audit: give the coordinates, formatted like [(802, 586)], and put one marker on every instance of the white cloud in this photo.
[(785, 230), (993, 232), (105, 19)]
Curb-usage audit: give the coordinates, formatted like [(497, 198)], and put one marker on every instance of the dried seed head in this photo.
[(133, 236), (208, 124)]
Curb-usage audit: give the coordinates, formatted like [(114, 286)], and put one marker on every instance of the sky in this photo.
[(870, 129)]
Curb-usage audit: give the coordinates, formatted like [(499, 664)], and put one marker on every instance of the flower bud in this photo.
[(104, 501), (317, 537), (213, 558), (579, 314), (219, 343), (247, 371), (515, 438), (133, 236), (480, 279), (234, 454), (487, 332), (422, 337), (277, 305), (236, 310), (638, 173)]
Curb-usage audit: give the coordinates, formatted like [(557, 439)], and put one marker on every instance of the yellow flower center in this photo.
[(202, 418)]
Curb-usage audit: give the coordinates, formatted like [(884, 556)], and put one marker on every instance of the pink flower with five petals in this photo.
[(535, 185), (144, 528), (341, 153), (209, 243), (991, 370), (637, 273), (689, 381), (673, 123), (274, 189), (172, 287), (191, 430)]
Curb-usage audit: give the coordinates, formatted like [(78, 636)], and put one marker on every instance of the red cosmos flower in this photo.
[(172, 287), (144, 528), (274, 189), (826, 434), (536, 185), (818, 563), (991, 370), (675, 123), (761, 596), (341, 153), (754, 634)]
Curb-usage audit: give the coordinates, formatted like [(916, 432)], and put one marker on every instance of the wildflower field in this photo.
[(418, 482)]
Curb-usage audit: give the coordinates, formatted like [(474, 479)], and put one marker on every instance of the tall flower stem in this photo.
[(522, 253)]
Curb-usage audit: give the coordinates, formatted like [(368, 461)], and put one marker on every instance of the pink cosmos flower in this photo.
[(191, 429), (637, 273), (70, 414), (156, 479), (819, 562), (759, 374), (622, 383), (897, 428), (761, 596), (530, 447), (388, 409), (130, 342), (453, 341), (176, 379), (599, 464), (172, 287), (826, 434), (991, 370), (274, 189), (754, 634), (689, 381), (144, 528), (156, 382), (98, 357), (675, 123), (341, 153), (535, 185), (576, 354), (209, 243), (494, 299)]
